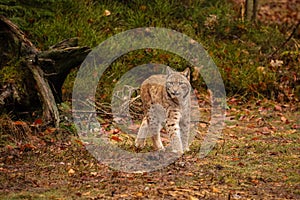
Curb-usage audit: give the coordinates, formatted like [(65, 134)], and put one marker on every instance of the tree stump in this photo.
[(41, 74)]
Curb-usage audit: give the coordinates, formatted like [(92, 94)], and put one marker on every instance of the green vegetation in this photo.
[(240, 49)]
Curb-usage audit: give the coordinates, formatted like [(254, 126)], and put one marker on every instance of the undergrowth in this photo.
[(12, 132)]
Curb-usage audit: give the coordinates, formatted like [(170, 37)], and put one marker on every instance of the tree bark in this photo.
[(48, 69), (251, 9)]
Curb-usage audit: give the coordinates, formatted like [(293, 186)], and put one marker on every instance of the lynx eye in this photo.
[(170, 84)]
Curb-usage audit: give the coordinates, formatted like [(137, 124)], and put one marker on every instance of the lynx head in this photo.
[(177, 83)]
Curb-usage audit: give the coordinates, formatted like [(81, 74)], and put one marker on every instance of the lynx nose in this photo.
[(175, 93)]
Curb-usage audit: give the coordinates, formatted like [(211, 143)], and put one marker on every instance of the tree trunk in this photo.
[(44, 71), (251, 9)]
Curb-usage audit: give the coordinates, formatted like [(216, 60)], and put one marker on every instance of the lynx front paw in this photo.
[(139, 142), (177, 151), (158, 145), (186, 149), (161, 148)]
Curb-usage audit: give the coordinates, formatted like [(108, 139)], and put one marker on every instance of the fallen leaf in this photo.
[(283, 119), (79, 142), (38, 122), (86, 193), (71, 172), (174, 193), (9, 147), (193, 198), (266, 130), (27, 147), (139, 194), (215, 190), (106, 13), (277, 108), (116, 138), (93, 173), (255, 181), (242, 117), (296, 126), (232, 126), (276, 63), (203, 125), (50, 130), (261, 69), (20, 123)]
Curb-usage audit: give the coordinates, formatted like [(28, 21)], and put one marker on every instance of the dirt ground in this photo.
[(257, 158)]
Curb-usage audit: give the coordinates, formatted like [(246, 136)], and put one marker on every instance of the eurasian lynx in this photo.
[(166, 100)]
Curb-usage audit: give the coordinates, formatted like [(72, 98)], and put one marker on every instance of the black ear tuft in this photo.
[(186, 73)]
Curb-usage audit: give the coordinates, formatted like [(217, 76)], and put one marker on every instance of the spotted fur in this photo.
[(166, 100)]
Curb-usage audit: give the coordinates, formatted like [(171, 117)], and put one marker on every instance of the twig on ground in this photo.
[(286, 41)]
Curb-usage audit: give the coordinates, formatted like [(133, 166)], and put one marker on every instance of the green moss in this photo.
[(14, 74)]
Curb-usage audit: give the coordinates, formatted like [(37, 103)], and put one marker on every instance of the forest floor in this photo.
[(257, 158)]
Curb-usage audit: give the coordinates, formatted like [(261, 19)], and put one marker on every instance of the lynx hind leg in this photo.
[(156, 117), (142, 134)]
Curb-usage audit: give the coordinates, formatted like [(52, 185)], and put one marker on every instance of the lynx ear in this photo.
[(186, 73), (169, 70)]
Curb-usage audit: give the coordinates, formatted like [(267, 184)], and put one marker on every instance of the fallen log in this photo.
[(43, 72)]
